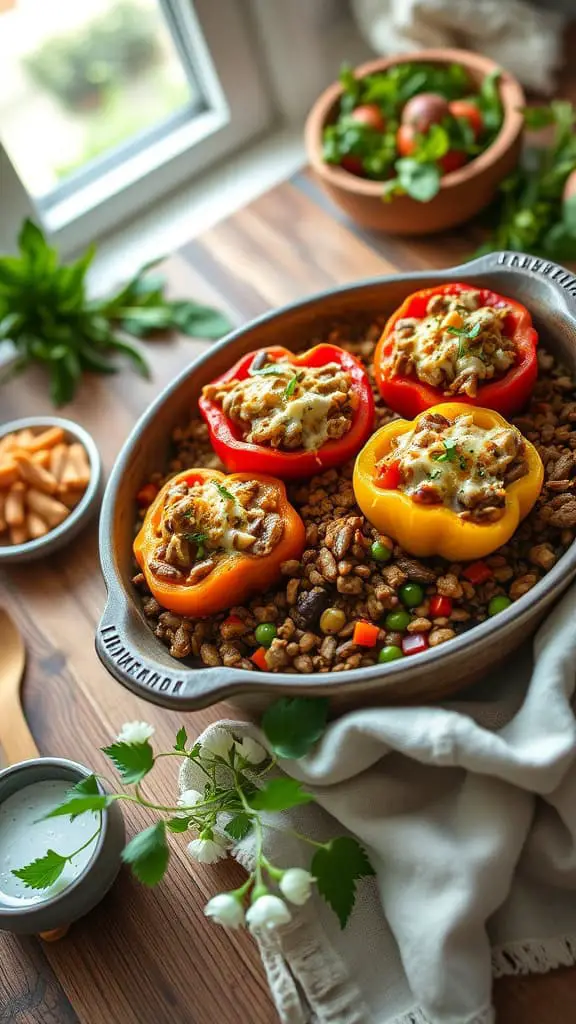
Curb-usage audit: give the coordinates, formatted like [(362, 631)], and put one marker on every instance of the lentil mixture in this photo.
[(458, 345), (348, 572), (460, 465)]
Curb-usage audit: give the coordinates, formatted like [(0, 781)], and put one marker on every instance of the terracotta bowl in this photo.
[(463, 193), (125, 642)]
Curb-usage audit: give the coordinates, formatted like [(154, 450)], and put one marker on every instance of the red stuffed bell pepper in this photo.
[(457, 343), (289, 415)]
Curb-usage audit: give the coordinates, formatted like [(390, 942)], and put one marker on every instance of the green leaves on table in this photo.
[(43, 872), (46, 313), (148, 854), (132, 760), (292, 725), (336, 868), (531, 212)]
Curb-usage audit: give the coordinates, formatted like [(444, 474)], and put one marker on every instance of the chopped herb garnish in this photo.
[(449, 454), (481, 473), (267, 371), (435, 474), (292, 384), (224, 492), (466, 332), (199, 539), (463, 463)]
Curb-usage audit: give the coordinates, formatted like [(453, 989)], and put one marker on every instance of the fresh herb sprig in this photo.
[(533, 211), (292, 385), (450, 453), (224, 492), (46, 313), (237, 800), (199, 539), (465, 334)]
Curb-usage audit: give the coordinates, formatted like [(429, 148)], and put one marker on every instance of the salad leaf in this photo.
[(419, 180)]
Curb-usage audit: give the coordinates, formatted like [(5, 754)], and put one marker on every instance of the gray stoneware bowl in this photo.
[(92, 885), (124, 641), (79, 516)]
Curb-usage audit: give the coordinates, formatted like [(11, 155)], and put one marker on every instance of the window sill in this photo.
[(189, 211)]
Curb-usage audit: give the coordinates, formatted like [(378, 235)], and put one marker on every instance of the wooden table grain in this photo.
[(149, 957)]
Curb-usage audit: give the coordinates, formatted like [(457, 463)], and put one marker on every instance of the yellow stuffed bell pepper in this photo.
[(412, 489)]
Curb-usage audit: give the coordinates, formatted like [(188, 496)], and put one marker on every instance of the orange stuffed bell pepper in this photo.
[(209, 541), (455, 482)]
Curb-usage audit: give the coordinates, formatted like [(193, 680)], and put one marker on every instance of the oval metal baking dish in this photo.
[(125, 642)]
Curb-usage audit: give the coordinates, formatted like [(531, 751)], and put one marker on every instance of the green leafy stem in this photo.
[(238, 798), (46, 313)]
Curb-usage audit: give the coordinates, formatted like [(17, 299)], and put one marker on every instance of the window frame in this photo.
[(238, 108)]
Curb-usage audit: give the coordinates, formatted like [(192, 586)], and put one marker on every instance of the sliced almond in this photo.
[(37, 527), (47, 439), (14, 505), (52, 511), (34, 474), (19, 534)]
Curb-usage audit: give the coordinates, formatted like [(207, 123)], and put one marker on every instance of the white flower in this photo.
[(296, 885), (268, 912), (250, 750), (225, 909), (188, 799), (207, 851), (135, 732), (219, 743)]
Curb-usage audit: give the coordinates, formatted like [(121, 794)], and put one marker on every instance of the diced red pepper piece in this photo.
[(414, 643), (233, 620), (259, 659), (389, 477), (365, 634), (146, 495), (477, 572), (440, 606)]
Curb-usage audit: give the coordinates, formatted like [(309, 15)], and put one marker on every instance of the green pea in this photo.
[(498, 604), (397, 621), (390, 654), (265, 633), (411, 594), (379, 552)]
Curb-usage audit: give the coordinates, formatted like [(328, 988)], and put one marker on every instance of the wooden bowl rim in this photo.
[(511, 93)]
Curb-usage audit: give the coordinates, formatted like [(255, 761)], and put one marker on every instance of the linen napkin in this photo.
[(523, 38), (467, 810)]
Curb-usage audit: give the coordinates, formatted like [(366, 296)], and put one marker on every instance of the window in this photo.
[(106, 104)]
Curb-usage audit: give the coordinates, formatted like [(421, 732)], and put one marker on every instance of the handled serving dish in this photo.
[(124, 641)]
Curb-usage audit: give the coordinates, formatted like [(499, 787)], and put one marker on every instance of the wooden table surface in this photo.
[(149, 957)]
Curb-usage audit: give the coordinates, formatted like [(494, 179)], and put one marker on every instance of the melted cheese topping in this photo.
[(456, 348), (460, 465), (287, 406)]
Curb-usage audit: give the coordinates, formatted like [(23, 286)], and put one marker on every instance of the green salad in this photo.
[(411, 124)]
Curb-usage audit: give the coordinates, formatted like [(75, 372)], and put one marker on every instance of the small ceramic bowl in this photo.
[(53, 915), (86, 507), (463, 193)]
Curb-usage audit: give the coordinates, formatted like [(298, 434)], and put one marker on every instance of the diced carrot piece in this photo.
[(259, 659), (365, 634)]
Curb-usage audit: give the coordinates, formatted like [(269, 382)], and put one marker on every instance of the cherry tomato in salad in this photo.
[(468, 112), (371, 115), (406, 139), (353, 165), (452, 160), (424, 110)]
